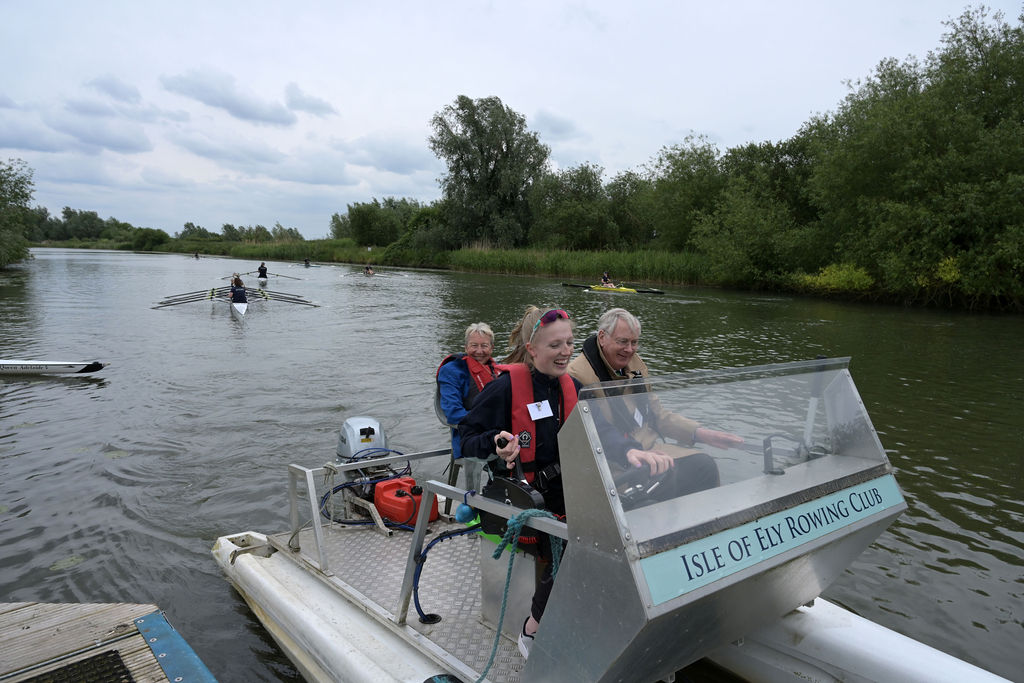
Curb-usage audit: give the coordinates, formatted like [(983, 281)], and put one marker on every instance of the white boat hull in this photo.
[(262, 282), (40, 367), (327, 637), (330, 638), (238, 310)]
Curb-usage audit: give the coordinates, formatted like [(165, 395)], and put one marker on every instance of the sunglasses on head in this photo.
[(548, 318)]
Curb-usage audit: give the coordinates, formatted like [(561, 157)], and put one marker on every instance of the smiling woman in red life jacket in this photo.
[(526, 406)]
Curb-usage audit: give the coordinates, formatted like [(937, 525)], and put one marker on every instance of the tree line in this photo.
[(910, 191)]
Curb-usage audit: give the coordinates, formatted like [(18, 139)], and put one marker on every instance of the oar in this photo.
[(573, 284), (277, 295), (649, 291), (185, 299), (198, 291), (192, 300), (287, 276), (290, 300)]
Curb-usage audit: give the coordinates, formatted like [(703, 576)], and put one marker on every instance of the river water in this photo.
[(113, 487)]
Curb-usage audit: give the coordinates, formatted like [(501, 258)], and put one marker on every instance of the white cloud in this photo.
[(116, 88), (217, 89), (300, 101)]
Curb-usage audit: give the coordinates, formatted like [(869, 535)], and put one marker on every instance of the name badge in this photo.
[(638, 416), (539, 410)]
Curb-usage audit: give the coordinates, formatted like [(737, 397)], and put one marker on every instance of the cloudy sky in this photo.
[(254, 112)]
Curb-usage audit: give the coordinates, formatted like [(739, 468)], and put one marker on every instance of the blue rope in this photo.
[(513, 529)]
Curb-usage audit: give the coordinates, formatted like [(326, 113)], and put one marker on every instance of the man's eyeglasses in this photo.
[(548, 318), (622, 341)]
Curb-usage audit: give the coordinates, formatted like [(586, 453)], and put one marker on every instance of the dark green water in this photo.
[(114, 487)]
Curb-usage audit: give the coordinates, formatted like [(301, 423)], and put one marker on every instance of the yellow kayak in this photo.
[(621, 289), (602, 288)]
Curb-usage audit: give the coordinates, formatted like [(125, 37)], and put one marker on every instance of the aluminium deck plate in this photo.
[(373, 565)]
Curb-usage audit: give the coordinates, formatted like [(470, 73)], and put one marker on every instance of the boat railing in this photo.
[(300, 477), (298, 473)]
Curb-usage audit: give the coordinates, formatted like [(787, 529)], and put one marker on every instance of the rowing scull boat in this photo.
[(238, 309), (41, 367)]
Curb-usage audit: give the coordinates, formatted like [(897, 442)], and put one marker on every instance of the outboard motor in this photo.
[(357, 434)]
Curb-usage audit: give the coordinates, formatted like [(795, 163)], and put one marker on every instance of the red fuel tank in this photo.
[(394, 499)]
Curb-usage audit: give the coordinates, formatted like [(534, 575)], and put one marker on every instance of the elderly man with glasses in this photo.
[(611, 355)]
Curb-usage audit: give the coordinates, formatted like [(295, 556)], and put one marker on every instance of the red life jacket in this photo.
[(482, 374), (522, 424)]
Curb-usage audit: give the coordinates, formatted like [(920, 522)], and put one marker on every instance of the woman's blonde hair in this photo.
[(520, 335)]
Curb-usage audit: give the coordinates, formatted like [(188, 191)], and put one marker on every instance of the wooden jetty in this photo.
[(108, 642)]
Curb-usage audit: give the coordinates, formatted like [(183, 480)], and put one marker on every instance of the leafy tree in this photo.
[(687, 182), (145, 239), (492, 162), (571, 210), (283, 234), (82, 225), (750, 239), (192, 231), (15, 217), (340, 226), (229, 233), (918, 177), (38, 223), (116, 230), (631, 208), (259, 234), (380, 223)]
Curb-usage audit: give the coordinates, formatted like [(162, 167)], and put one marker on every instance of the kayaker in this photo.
[(306, 262), (237, 290), (462, 376), (367, 270), (262, 271), (611, 354), (526, 407), (607, 281)]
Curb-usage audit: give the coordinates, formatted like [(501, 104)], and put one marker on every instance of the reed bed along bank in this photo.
[(632, 267)]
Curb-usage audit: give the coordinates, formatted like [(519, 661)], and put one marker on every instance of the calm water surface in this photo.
[(114, 487)]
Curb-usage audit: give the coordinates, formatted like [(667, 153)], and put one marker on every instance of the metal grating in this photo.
[(374, 566)]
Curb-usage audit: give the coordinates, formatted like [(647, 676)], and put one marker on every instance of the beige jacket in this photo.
[(658, 423)]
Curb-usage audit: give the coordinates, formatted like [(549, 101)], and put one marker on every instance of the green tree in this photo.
[(146, 239), (631, 207), (259, 234), (81, 225), (229, 233), (16, 190), (380, 223), (191, 231), (340, 226), (571, 210), (687, 182), (116, 230), (493, 160), (283, 234), (918, 177)]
